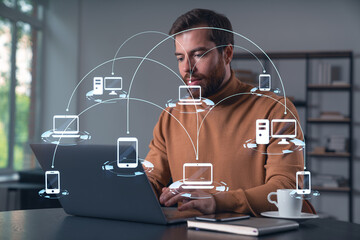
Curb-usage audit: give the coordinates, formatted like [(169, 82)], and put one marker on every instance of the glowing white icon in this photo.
[(127, 152), (198, 176), (52, 182), (190, 95), (113, 84), (262, 131), (66, 126), (282, 127), (98, 86), (264, 82), (303, 182)]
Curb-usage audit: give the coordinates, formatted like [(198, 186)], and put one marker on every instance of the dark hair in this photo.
[(209, 18)]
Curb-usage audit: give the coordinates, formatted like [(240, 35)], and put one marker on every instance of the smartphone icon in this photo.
[(262, 131), (98, 86), (303, 182), (52, 182), (127, 152), (264, 82)]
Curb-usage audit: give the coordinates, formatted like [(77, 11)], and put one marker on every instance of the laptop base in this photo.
[(197, 186)]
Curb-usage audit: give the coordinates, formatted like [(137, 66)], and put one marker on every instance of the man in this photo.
[(249, 173)]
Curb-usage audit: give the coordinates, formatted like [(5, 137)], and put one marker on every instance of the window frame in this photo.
[(14, 15)]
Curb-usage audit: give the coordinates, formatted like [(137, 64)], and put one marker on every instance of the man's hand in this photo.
[(206, 204)]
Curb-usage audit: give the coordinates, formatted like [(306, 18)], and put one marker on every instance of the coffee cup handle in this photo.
[(271, 201)]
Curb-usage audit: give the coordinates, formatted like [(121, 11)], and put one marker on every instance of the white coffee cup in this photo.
[(288, 205)]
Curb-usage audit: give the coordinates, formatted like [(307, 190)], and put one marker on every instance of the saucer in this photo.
[(302, 217)]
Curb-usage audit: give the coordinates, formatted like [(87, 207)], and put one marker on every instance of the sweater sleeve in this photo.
[(280, 170), (160, 175)]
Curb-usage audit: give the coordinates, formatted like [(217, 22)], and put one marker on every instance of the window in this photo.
[(20, 34)]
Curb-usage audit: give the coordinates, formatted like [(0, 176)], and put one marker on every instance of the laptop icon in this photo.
[(66, 126), (190, 95), (93, 192), (197, 176)]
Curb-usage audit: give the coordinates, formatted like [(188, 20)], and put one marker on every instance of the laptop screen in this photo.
[(66, 124), (189, 93), (198, 173)]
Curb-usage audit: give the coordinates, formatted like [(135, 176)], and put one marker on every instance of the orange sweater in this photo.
[(249, 174)]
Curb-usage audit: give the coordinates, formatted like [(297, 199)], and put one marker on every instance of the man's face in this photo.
[(207, 70)]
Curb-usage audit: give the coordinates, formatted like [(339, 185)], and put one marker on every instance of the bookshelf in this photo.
[(314, 122)]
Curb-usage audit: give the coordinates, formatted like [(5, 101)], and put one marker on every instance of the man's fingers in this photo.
[(165, 196), (176, 198), (194, 204)]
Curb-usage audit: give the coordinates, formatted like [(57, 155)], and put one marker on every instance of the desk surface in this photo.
[(56, 224)]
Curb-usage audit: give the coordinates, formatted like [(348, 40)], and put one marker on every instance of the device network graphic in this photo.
[(197, 175)]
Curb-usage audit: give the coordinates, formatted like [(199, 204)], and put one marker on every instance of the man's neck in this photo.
[(226, 78)]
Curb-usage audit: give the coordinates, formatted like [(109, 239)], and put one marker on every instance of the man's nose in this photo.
[(188, 65)]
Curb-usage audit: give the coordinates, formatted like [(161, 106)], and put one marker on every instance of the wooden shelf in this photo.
[(331, 189), (345, 89), (322, 120), (329, 154), (295, 55), (342, 87), (299, 103)]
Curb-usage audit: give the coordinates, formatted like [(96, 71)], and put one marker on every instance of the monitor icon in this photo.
[(197, 176), (113, 84), (66, 126), (285, 128), (190, 95)]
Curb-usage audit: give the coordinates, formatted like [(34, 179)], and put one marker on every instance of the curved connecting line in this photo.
[(237, 46), (120, 58), (167, 37), (199, 28), (135, 99), (135, 35), (259, 95)]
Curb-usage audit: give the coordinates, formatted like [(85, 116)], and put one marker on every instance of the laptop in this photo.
[(94, 192), (185, 98), (198, 176), (65, 126)]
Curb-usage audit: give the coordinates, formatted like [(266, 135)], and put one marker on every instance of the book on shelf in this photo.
[(337, 143), (328, 180), (251, 227), (329, 74)]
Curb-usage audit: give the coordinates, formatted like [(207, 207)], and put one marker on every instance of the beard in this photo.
[(211, 83)]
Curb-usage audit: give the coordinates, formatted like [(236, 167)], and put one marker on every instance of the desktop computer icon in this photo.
[(113, 84), (285, 128), (197, 176), (66, 126), (262, 131), (190, 95), (98, 87)]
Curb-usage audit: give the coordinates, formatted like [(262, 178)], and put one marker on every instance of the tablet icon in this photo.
[(127, 152), (198, 176)]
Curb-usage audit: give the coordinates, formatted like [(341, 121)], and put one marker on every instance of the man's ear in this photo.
[(228, 53)]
